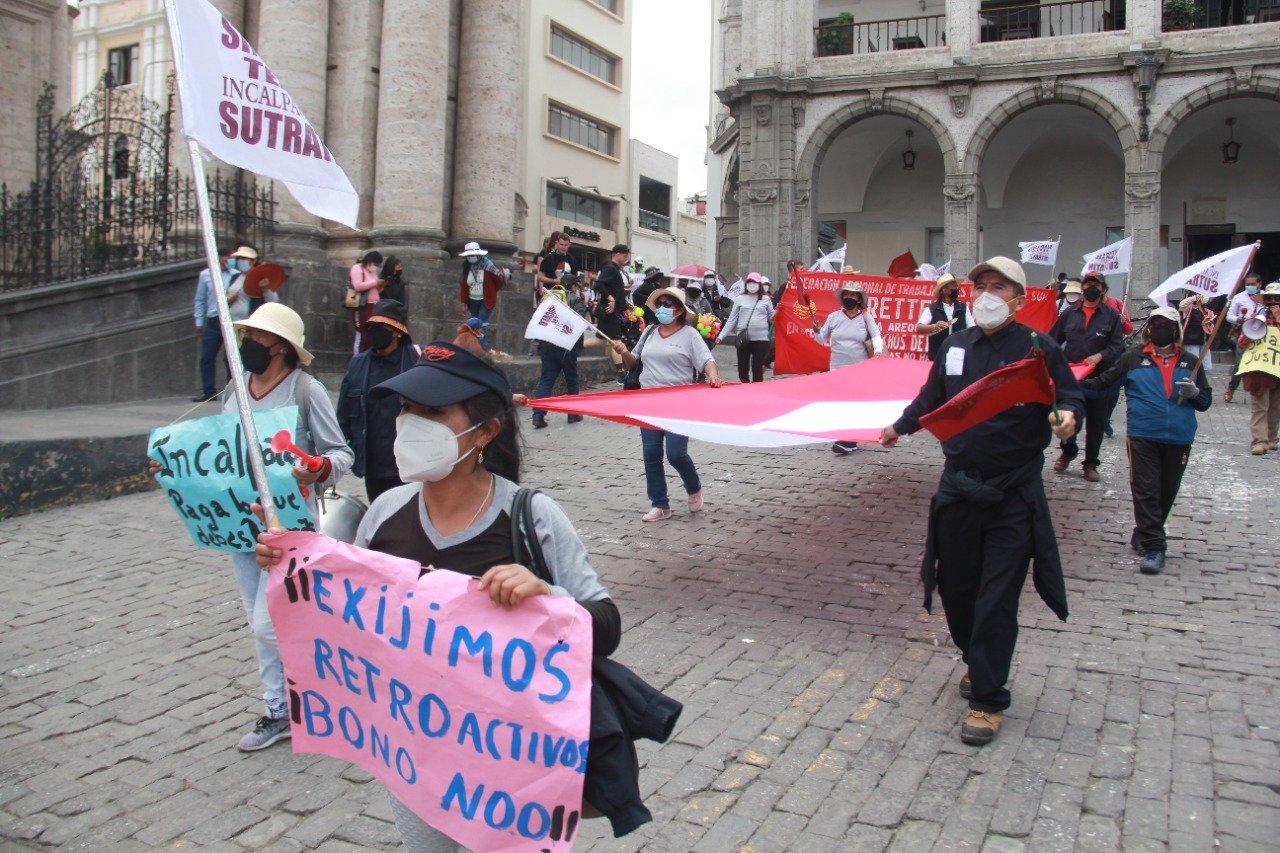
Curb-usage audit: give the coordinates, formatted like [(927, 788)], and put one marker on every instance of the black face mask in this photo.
[(1092, 294), (380, 336), (851, 304), (1164, 334), (255, 356), (953, 295)]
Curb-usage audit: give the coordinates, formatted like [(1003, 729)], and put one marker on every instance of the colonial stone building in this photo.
[(35, 39), (958, 129)]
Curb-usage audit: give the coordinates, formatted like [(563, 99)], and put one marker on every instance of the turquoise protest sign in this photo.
[(205, 474)]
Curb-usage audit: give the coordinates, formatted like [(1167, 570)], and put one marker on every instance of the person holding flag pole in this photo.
[(990, 518), (208, 52)]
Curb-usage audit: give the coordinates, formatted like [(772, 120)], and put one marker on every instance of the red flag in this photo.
[(1025, 381), (903, 266)]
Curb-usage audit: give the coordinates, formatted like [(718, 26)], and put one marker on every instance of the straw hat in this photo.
[(943, 281), (673, 292), (282, 321)]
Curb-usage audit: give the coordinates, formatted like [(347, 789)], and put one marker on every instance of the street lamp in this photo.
[(909, 156), (1148, 64), (1231, 148)]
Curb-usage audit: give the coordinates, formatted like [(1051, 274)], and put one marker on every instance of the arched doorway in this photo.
[(1208, 204), (878, 190), (1055, 170)]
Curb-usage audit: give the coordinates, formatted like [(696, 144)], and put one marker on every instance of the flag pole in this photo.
[(254, 448)]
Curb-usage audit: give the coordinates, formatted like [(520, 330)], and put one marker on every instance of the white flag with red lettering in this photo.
[(1211, 277), (236, 108), (1041, 252), (1110, 260), (556, 323)]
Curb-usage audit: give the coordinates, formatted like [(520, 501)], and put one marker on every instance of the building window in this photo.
[(580, 130), (575, 207), (578, 53), (655, 205), (611, 5), (122, 62)]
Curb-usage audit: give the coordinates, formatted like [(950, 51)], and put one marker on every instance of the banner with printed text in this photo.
[(896, 305), (236, 108), (205, 474), (475, 717), (1110, 260)]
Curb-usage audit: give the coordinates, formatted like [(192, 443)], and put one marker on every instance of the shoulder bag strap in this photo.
[(524, 539)]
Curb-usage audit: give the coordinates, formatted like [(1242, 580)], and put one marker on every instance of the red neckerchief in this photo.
[(1165, 363), (1088, 312)]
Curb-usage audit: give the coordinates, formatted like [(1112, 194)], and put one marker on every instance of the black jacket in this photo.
[(353, 401), (611, 283), (1104, 334), (624, 708)]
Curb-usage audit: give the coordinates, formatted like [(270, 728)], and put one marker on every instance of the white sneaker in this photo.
[(657, 514), (695, 501)]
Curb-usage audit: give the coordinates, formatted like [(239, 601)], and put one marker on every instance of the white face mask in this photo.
[(753, 288), (1072, 298), (426, 451), (989, 310)]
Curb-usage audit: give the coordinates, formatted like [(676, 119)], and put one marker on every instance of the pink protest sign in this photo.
[(474, 716)]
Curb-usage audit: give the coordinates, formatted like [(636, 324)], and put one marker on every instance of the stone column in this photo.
[(293, 40), (962, 26), (1142, 223), (413, 104), (961, 220), (487, 135), (1144, 18), (351, 109)]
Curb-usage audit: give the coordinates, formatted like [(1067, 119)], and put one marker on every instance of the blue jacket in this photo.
[(353, 401), (1153, 412)]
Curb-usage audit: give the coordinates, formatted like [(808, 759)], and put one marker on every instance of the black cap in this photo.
[(392, 313), (444, 375), (621, 249)]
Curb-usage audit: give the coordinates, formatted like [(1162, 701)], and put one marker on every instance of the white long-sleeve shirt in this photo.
[(848, 336), (753, 314)]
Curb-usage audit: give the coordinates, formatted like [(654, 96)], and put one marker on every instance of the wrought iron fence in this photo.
[(1011, 22), (1211, 14), (840, 38), (106, 198)]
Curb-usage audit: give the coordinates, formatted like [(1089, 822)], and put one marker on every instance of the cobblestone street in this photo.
[(821, 710)]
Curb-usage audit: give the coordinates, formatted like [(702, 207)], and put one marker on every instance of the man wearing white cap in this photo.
[(1162, 399), (479, 286), (990, 517)]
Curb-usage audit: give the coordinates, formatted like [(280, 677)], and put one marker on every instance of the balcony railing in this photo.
[(655, 221), (1079, 17), (1211, 14), (841, 38)]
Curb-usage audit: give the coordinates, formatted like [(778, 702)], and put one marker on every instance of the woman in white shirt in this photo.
[(853, 336), (752, 314)]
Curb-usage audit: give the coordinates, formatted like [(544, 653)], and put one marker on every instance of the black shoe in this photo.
[(539, 423), (1152, 563), (1134, 544), (575, 419), (844, 447), (966, 687), (203, 398)]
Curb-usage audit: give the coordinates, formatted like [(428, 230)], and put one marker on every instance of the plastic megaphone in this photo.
[(1254, 328)]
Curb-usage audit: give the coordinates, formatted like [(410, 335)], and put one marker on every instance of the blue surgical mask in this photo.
[(473, 259), (664, 315), (242, 264), (1250, 289)]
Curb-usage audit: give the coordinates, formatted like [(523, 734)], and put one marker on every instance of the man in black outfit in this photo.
[(990, 517), (611, 301), (1090, 331), (944, 316)]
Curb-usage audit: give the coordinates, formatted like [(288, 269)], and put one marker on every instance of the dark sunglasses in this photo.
[(666, 303)]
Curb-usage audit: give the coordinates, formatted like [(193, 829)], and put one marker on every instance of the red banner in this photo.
[(894, 303)]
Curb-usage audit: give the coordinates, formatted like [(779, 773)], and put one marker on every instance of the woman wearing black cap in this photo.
[(456, 448), (370, 425)]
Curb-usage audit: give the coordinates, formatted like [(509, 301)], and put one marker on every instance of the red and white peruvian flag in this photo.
[(236, 108), (851, 404)]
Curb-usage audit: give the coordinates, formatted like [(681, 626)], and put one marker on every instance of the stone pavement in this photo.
[(820, 704)]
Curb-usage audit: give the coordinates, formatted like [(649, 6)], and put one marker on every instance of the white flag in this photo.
[(1109, 260), (1042, 252), (1212, 277), (928, 272), (833, 262), (236, 108), (556, 323)]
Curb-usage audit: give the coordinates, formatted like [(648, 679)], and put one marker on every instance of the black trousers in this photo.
[(1155, 474), (1097, 411), (755, 353), (983, 555)]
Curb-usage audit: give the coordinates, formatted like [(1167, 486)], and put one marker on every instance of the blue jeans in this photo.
[(655, 475), (253, 594), (556, 360), (210, 346), (477, 309)]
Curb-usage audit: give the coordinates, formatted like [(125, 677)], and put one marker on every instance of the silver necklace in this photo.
[(484, 503)]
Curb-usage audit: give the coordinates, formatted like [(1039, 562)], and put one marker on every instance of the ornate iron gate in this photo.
[(106, 196)]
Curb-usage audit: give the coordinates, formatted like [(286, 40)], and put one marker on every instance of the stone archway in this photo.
[(1036, 96), (840, 120), (1212, 93)]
